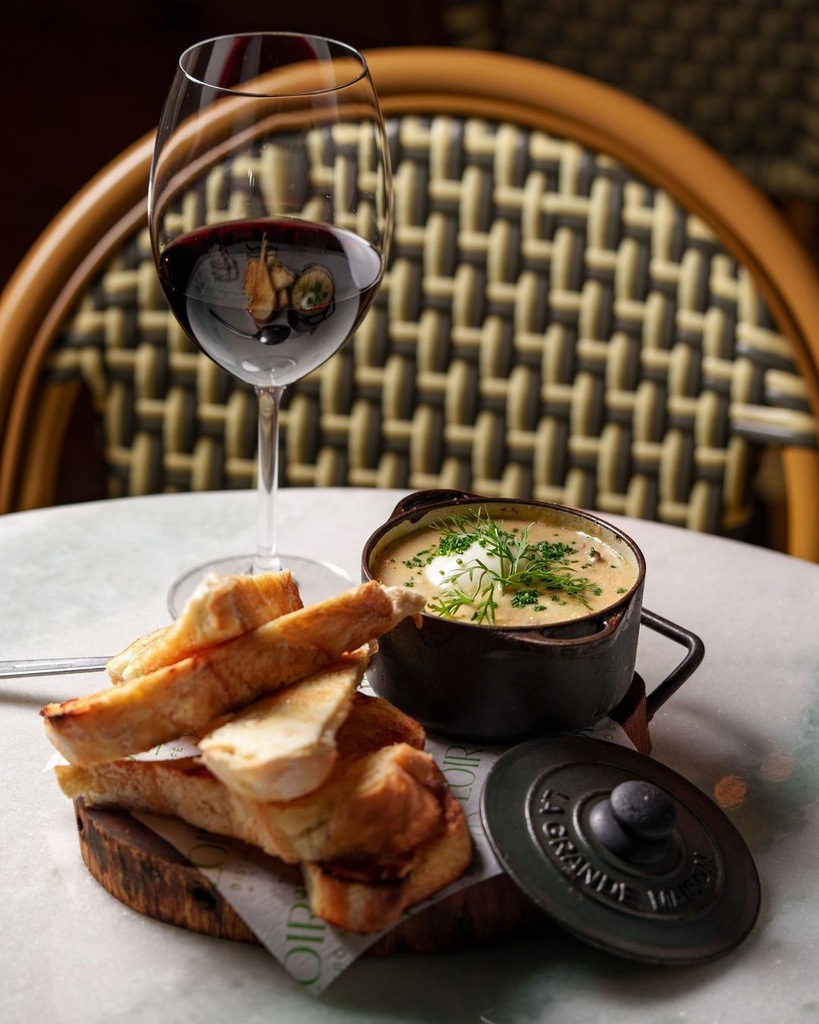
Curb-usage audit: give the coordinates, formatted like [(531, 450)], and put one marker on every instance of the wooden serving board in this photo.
[(146, 873)]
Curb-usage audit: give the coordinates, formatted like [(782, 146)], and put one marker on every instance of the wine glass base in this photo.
[(315, 580)]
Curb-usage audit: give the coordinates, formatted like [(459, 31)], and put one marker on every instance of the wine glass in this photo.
[(270, 212)]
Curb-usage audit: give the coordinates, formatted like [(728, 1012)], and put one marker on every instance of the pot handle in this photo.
[(695, 649), (420, 499)]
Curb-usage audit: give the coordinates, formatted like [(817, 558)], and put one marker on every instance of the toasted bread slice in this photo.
[(371, 898), (372, 723), (376, 806), (284, 746), (186, 697), (221, 607)]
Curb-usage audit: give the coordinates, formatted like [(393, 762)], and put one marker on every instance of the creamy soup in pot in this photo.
[(477, 567)]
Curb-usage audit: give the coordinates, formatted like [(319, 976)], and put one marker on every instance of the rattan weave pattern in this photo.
[(744, 76), (547, 326)]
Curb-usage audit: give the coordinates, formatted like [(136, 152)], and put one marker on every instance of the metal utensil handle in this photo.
[(50, 666), (695, 652)]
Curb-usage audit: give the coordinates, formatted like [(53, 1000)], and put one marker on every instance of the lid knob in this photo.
[(620, 850), (635, 822)]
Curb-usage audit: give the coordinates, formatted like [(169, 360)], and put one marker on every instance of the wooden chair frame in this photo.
[(39, 296)]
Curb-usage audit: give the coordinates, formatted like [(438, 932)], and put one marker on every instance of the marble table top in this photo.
[(88, 579)]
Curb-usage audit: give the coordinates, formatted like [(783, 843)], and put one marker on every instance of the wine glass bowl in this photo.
[(270, 213)]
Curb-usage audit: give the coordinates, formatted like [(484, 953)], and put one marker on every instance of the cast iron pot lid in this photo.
[(620, 850)]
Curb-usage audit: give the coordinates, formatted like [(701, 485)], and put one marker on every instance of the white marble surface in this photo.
[(88, 579)]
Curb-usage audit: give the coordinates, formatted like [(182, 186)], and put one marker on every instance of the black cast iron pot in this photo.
[(502, 684)]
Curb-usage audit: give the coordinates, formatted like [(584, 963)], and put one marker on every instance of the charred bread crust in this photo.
[(375, 807), (360, 900), (186, 697), (372, 723), (283, 746), (221, 608), (378, 834)]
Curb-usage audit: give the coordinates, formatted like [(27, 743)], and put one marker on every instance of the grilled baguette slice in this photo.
[(374, 807), (284, 745), (372, 723), (186, 697), (221, 607), (371, 898)]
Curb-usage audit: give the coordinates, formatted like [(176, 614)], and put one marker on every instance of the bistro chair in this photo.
[(743, 76), (583, 304)]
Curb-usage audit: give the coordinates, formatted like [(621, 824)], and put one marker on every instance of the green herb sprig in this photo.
[(527, 572)]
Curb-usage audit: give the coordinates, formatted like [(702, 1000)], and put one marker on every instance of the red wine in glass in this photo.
[(270, 299), (285, 129)]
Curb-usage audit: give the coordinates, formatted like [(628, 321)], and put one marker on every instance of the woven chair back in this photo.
[(551, 324)]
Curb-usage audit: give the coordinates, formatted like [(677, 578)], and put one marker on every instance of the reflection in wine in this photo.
[(317, 283)]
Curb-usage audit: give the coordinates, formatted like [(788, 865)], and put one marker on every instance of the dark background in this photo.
[(82, 79)]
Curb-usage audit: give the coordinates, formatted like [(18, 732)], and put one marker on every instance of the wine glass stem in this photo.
[(269, 401)]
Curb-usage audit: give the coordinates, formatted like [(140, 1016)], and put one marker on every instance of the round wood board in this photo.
[(146, 873)]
